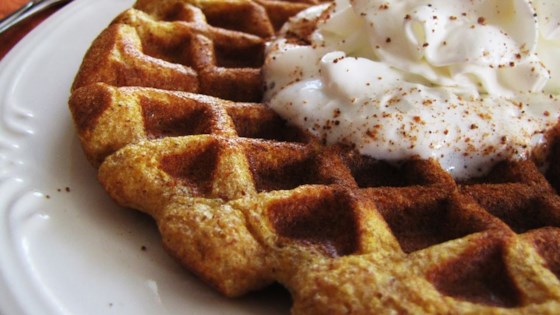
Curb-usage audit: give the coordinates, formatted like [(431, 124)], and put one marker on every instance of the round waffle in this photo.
[(166, 104)]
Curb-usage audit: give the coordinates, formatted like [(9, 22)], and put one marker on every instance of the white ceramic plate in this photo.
[(65, 247)]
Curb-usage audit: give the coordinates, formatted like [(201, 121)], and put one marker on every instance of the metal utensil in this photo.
[(29, 9)]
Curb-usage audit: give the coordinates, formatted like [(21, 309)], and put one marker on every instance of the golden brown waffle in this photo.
[(210, 47), (244, 200)]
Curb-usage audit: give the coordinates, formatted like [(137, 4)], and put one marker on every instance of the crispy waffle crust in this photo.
[(166, 105)]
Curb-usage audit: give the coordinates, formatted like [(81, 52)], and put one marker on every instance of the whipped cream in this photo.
[(467, 83)]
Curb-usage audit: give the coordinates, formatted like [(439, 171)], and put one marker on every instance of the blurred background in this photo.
[(12, 36)]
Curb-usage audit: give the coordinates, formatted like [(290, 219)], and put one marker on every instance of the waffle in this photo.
[(166, 104)]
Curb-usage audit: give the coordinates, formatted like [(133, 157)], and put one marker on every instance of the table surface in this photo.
[(11, 37)]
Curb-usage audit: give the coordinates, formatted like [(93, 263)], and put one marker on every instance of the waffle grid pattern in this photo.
[(244, 200)]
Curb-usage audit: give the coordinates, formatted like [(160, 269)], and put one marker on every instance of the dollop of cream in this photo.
[(467, 83)]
